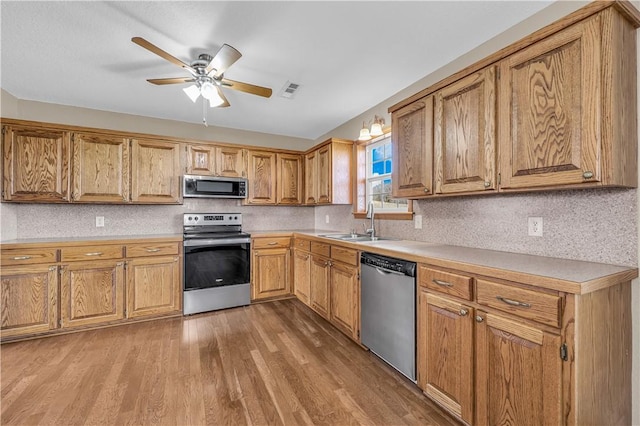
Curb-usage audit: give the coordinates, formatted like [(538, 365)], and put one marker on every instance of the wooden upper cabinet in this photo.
[(100, 168), (262, 177), (35, 164), (550, 110), (329, 173), (230, 161), (464, 134), (155, 171), (201, 160), (412, 144), (289, 178), (311, 178)]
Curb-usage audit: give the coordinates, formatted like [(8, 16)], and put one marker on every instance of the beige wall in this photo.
[(62, 114)]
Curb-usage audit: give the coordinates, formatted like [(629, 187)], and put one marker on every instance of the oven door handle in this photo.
[(216, 243)]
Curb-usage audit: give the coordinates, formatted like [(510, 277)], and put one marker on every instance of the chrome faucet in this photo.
[(371, 215)]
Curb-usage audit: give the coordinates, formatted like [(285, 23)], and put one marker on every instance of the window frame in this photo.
[(360, 204)]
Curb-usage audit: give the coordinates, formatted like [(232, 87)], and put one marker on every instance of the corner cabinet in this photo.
[(35, 164), (566, 105), (465, 135), (329, 173), (412, 144)]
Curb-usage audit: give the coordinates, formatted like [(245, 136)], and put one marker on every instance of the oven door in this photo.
[(216, 263)]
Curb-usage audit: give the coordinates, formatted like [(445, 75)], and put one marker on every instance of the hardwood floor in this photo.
[(269, 363)]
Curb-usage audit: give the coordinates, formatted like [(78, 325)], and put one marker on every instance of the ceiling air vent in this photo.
[(289, 90)]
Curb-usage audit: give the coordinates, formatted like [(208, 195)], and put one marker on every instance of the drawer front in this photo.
[(72, 254), (152, 249), (302, 244), (277, 242), (11, 257), (529, 304), (320, 248), (345, 255), (446, 282)]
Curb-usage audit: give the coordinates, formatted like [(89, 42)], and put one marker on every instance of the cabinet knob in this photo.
[(463, 312), (426, 190), (479, 318), (587, 175), (487, 184)]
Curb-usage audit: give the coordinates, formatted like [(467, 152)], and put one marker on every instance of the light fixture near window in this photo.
[(376, 129)]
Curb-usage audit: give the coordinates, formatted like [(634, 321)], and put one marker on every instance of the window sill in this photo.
[(386, 216)]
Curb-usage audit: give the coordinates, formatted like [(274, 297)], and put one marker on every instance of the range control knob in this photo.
[(189, 218), (230, 218), (196, 218), (235, 217)]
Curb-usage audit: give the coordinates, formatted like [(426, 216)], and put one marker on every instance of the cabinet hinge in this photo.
[(358, 334), (4, 130), (499, 178), (564, 355)]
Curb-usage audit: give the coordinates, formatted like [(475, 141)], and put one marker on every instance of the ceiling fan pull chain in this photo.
[(204, 112)]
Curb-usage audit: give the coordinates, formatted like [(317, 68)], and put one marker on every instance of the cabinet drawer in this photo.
[(12, 257), (277, 242), (302, 244), (152, 249), (345, 255), (446, 282), (320, 248), (533, 305), (71, 254)]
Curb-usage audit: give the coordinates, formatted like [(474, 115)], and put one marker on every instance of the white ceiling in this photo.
[(347, 56)]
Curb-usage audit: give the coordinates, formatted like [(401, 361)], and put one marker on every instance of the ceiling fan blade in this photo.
[(225, 57), (177, 80), (247, 88), (155, 49), (224, 98)]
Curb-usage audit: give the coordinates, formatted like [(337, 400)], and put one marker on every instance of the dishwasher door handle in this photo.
[(387, 272)]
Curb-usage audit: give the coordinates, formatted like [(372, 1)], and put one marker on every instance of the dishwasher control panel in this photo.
[(389, 263)]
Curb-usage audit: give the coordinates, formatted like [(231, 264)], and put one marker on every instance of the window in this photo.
[(379, 162)]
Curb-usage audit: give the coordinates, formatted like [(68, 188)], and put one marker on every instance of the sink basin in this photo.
[(353, 237)]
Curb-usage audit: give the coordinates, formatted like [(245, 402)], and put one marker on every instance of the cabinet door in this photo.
[(153, 286), (29, 299), (345, 299), (100, 168), (201, 160), (319, 286), (311, 178), (230, 161), (550, 104), (302, 275), (92, 292), (464, 135), (289, 178), (324, 174), (262, 178), (270, 273), (445, 353), (412, 142), (155, 172), (35, 164), (518, 377)]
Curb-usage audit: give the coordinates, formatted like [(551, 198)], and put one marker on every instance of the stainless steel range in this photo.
[(217, 262)]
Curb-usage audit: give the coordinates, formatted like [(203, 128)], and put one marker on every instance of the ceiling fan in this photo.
[(207, 74)]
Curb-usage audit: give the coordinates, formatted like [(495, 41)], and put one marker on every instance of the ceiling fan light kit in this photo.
[(207, 74)]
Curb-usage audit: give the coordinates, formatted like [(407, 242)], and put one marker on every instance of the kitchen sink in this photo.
[(354, 237)]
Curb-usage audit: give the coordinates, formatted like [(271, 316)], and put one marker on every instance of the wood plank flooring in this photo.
[(266, 364)]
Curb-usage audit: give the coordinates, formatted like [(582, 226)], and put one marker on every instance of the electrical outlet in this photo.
[(99, 221), (417, 221), (535, 227), (326, 219)]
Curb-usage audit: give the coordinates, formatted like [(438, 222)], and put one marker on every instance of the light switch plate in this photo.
[(535, 227), (99, 221), (417, 221)]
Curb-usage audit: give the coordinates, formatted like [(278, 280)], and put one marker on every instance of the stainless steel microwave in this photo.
[(213, 187)]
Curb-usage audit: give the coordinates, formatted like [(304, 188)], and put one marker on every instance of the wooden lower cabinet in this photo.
[(302, 275), (29, 299), (92, 292), (345, 298), (271, 271), (519, 373), (153, 286), (319, 288), (445, 353)]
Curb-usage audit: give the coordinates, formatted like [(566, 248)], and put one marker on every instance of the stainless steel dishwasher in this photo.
[(388, 310)]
